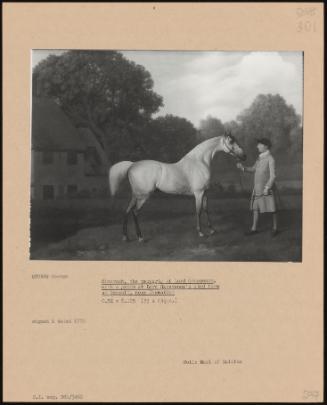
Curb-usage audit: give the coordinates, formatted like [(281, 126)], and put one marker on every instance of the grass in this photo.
[(168, 223)]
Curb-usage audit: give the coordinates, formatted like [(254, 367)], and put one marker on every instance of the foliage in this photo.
[(169, 138), (269, 116), (296, 149), (100, 90), (210, 127), (114, 98)]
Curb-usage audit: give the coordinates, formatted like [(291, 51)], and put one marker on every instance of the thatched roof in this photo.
[(52, 129)]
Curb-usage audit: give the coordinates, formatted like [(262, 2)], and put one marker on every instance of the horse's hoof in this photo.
[(201, 234), (212, 231), (125, 238), (141, 239)]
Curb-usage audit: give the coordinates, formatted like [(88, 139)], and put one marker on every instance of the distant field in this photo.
[(91, 230)]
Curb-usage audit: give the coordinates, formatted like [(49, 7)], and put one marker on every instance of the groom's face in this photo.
[(261, 147)]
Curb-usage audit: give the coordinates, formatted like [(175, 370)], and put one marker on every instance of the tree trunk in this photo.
[(99, 135), (99, 144)]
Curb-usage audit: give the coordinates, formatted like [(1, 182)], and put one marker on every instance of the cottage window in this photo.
[(48, 192), (71, 189), (90, 152), (48, 157), (61, 190), (72, 157)]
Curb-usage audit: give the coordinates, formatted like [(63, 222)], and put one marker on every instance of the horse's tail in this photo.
[(117, 173)]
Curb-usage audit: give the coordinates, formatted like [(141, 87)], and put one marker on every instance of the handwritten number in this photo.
[(310, 394)]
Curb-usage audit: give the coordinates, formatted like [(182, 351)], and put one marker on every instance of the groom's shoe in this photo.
[(251, 232)]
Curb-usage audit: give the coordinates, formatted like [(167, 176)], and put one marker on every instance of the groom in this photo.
[(263, 196)]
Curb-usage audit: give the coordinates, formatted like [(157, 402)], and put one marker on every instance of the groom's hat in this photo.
[(264, 141)]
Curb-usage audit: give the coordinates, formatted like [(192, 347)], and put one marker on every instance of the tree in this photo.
[(235, 129), (210, 127), (296, 150), (100, 90), (269, 116), (169, 138)]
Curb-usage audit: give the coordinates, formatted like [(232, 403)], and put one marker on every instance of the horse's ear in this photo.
[(227, 133), (230, 136)]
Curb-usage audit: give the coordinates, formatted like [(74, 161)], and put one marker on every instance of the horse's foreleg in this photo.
[(198, 206), (135, 212), (205, 207), (125, 221)]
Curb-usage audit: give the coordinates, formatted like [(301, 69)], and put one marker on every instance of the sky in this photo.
[(195, 85)]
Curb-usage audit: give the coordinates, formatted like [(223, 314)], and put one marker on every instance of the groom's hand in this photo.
[(240, 166)]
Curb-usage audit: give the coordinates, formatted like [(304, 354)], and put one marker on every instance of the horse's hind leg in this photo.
[(199, 205), (205, 207), (131, 205), (135, 212)]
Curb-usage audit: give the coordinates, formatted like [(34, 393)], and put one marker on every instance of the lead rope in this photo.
[(240, 178)]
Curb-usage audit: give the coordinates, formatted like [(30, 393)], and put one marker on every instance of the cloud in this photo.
[(197, 84), (223, 84)]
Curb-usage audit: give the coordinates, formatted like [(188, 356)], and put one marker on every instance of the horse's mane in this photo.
[(202, 147)]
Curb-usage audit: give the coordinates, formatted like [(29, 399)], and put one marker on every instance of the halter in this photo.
[(230, 151)]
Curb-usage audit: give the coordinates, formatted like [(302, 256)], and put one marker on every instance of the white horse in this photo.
[(189, 176)]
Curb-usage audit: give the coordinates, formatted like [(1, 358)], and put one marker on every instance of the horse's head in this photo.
[(231, 146)]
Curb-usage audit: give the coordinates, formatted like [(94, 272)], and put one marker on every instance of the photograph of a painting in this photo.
[(166, 155)]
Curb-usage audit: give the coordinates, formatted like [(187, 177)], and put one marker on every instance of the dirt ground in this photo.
[(168, 225)]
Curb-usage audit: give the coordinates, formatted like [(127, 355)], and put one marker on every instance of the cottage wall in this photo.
[(62, 162), (63, 178)]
